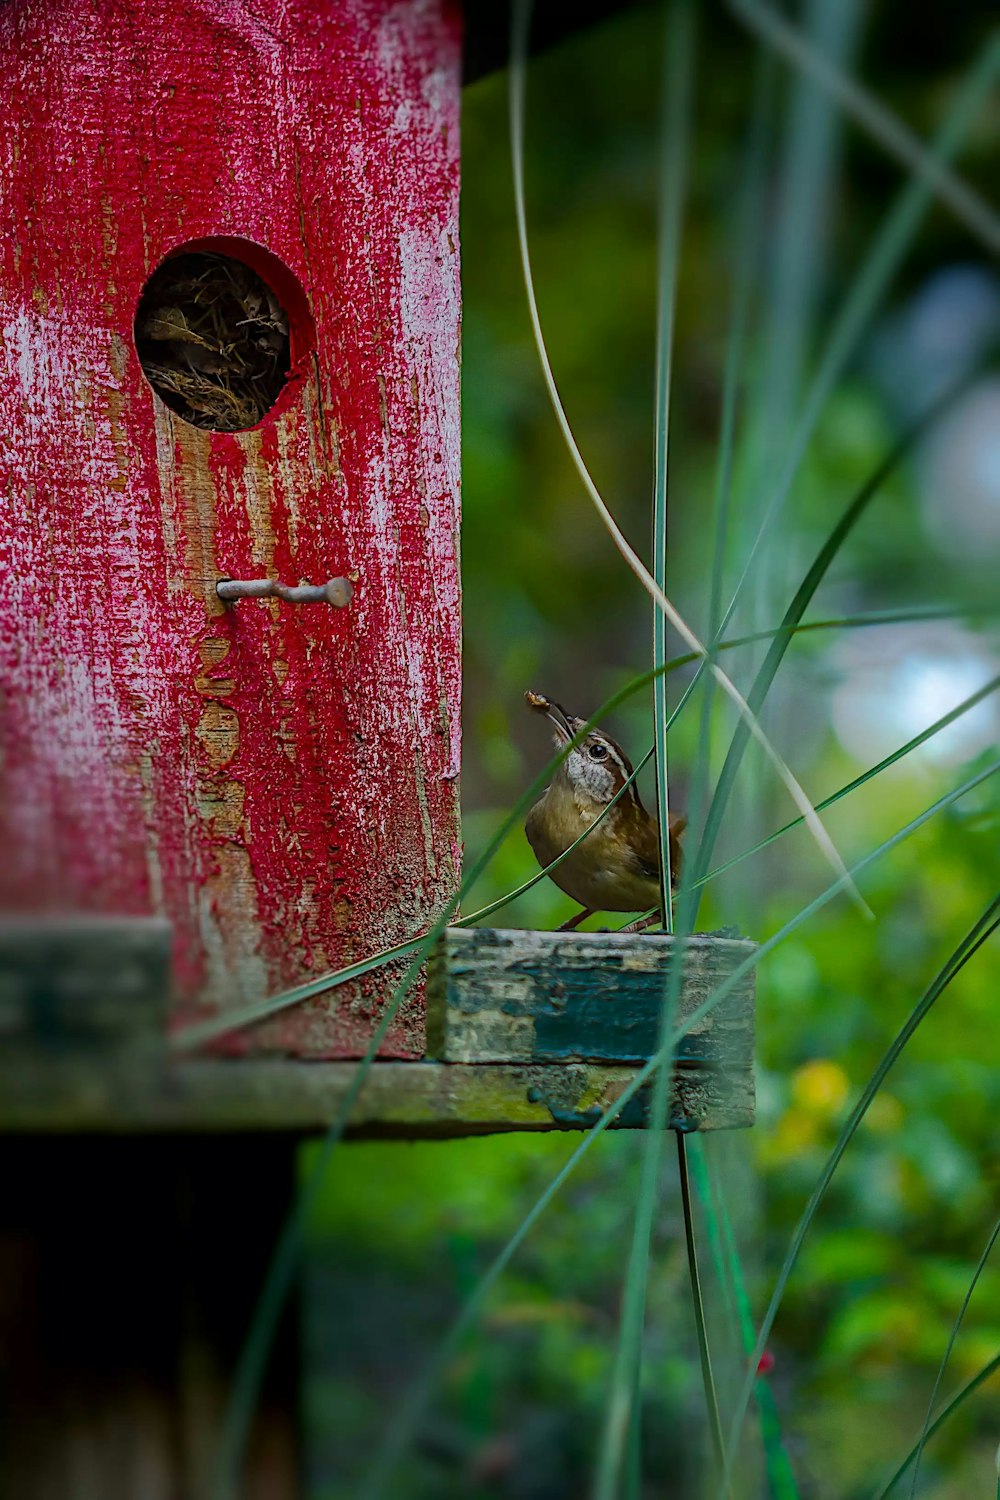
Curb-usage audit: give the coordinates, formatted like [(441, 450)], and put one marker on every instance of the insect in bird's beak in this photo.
[(558, 716)]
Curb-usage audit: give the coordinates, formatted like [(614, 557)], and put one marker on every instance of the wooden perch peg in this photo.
[(336, 591)]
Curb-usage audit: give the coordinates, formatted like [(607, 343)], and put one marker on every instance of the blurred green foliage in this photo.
[(404, 1231)]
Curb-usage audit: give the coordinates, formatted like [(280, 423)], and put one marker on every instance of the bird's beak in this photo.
[(563, 726), (555, 714)]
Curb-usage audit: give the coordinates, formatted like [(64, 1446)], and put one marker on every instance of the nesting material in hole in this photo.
[(213, 340)]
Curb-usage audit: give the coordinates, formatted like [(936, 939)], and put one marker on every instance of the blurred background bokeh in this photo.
[(404, 1230)]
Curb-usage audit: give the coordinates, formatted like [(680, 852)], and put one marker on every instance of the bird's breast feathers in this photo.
[(595, 874)]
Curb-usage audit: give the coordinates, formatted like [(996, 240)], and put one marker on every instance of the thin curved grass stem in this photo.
[(879, 122), (698, 1307), (859, 781), (973, 940), (903, 750), (956, 1401), (953, 1335), (521, 14), (202, 1032), (417, 1399), (867, 292), (622, 1414), (796, 609)]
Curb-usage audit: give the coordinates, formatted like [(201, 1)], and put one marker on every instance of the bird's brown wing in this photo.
[(644, 847), (677, 824)]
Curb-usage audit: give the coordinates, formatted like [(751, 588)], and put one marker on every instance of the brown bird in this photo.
[(616, 868)]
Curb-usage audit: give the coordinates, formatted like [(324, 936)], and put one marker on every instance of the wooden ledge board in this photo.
[(400, 1099), (536, 1031)]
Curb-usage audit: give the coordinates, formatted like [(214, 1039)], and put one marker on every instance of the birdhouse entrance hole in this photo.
[(219, 334)]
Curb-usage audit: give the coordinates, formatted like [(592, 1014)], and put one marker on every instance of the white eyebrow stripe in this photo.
[(615, 754)]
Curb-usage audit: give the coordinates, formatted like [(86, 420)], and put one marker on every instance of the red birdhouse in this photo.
[(229, 732), (229, 310)]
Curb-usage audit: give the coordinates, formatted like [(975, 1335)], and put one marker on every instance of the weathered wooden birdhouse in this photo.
[(229, 724), (229, 380), (229, 311)]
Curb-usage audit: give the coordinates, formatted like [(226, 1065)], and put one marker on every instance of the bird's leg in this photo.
[(581, 916), (641, 923)]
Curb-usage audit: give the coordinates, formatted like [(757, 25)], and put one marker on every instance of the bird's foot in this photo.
[(574, 922), (641, 924)]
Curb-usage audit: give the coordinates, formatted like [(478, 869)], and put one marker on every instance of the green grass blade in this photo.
[(747, 239), (251, 1365), (749, 247), (871, 284), (826, 896), (622, 1415), (859, 781), (414, 1405), (520, 16), (796, 609), (633, 1456), (678, 72), (953, 1335), (190, 1038), (278, 1280), (805, 180), (728, 1274), (973, 940), (200, 1033), (879, 122), (698, 1308), (956, 1401), (844, 622), (416, 1402), (674, 165), (722, 1243)]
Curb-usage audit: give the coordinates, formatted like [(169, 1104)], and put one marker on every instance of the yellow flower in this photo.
[(794, 1133), (820, 1087)]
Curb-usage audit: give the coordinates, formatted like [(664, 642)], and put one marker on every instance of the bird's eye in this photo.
[(597, 751)]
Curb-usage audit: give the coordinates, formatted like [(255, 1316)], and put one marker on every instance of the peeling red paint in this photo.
[(279, 781)]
